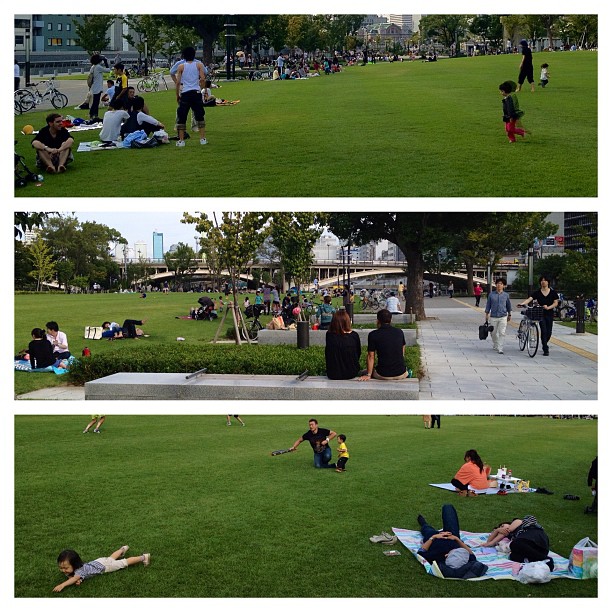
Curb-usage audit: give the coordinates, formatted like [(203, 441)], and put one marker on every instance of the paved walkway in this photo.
[(459, 366)]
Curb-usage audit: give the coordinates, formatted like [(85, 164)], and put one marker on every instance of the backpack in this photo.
[(145, 144)]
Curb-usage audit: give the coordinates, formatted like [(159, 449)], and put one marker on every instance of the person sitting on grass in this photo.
[(210, 100), (454, 558), (70, 564), (113, 118), (53, 145), (40, 350), (139, 120), (58, 339), (472, 473)]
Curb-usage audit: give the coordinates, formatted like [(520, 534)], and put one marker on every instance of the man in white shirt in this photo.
[(58, 339), (393, 304)]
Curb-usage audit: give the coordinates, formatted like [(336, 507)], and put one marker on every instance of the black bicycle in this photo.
[(252, 329)]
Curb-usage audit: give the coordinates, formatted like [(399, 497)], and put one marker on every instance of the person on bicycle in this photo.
[(53, 145), (499, 310), (548, 299)]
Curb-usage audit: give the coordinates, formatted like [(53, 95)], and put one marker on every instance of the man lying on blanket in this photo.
[(454, 558)]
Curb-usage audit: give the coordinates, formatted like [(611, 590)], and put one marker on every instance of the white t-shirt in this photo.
[(393, 304), (111, 124), (190, 79)]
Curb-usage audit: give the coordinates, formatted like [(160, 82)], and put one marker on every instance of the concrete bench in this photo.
[(371, 318), (161, 386), (316, 337)]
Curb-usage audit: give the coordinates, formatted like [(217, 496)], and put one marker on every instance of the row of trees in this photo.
[(580, 30), (169, 34)]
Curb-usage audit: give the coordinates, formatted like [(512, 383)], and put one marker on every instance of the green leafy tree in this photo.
[(43, 267), (25, 221), (513, 26), (489, 29), (23, 266), (65, 272), (175, 38), (294, 235), (181, 262), (447, 28), (145, 29), (580, 30), (92, 32)]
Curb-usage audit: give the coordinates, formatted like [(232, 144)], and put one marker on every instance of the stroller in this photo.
[(206, 311), (23, 174)]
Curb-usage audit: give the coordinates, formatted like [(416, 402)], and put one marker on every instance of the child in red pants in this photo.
[(512, 112)]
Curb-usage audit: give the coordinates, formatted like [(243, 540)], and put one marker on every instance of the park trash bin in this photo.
[(303, 335)]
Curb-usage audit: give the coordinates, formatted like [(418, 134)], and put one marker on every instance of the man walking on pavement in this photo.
[(499, 310)]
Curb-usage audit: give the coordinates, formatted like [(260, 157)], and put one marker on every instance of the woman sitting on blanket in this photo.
[(528, 540), (472, 473), (41, 351), (454, 558)]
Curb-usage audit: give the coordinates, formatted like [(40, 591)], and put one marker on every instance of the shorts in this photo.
[(112, 565)]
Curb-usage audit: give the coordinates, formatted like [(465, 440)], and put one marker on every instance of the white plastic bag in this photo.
[(583, 560), (536, 572)]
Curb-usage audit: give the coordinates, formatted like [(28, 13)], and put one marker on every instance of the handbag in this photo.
[(484, 329), (583, 560)]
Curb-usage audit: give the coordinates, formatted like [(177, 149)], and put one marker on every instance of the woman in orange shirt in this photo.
[(472, 473)]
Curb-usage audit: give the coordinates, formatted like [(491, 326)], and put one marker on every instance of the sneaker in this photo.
[(85, 430), (228, 424), (97, 431), (380, 538), (500, 351), (203, 141), (124, 549), (180, 143), (146, 558)]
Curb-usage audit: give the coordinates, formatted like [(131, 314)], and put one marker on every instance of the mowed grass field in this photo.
[(222, 518), (399, 129)]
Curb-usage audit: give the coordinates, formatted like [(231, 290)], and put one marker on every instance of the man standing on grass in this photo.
[(499, 309), (390, 345), (319, 439), (190, 80)]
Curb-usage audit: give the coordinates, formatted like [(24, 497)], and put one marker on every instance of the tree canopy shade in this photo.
[(469, 237)]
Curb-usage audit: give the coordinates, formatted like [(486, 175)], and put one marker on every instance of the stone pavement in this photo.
[(459, 366)]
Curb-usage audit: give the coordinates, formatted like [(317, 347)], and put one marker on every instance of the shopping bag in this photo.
[(583, 560), (93, 333)]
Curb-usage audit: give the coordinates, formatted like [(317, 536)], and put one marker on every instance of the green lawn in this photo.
[(224, 519), (399, 129), (74, 312)]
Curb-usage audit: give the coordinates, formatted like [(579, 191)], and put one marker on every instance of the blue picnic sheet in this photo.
[(23, 365), (500, 567)]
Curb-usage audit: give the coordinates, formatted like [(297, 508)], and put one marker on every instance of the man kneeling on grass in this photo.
[(319, 439)]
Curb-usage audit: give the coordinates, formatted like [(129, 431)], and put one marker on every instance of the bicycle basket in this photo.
[(535, 314)]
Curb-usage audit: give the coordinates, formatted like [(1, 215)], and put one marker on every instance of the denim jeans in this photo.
[(450, 522), (321, 460)]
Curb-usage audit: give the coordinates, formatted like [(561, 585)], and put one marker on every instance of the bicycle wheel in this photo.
[(18, 109), (522, 334), (254, 329), (145, 85), (26, 99), (59, 100), (533, 339)]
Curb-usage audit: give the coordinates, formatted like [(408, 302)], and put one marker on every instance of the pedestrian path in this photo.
[(459, 366)]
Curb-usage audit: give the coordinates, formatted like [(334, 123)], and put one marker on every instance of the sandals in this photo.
[(544, 491), (571, 497), (467, 493)]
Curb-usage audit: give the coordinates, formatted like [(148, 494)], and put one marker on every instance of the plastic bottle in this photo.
[(86, 352)]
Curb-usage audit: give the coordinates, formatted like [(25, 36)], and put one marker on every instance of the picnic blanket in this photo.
[(500, 567), (80, 128), (97, 145), (447, 486), (23, 365)]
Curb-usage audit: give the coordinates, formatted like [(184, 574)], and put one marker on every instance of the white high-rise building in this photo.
[(140, 249), (405, 22)]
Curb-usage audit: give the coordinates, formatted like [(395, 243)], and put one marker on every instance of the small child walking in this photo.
[(343, 455), (512, 112), (71, 565), (98, 419), (543, 75)]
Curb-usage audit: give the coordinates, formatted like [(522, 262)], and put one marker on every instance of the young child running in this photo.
[(512, 112), (343, 455), (98, 419), (70, 564), (543, 75)]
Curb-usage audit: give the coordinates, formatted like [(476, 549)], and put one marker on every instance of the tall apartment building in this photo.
[(403, 21), (158, 245), (577, 225)]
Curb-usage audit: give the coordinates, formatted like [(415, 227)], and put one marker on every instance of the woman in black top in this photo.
[(526, 67), (342, 348), (41, 350), (547, 298)]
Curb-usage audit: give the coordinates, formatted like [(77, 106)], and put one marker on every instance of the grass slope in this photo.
[(224, 519), (399, 129)]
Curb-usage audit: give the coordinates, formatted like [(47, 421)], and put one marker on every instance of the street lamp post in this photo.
[(530, 268), (27, 55), (230, 41)]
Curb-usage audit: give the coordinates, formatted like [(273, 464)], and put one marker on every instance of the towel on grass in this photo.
[(97, 145), (500, 567), (447, 486), (23, 365)]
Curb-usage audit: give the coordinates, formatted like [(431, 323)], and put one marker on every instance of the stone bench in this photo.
[(162, 386), (316, 337), (371, 318)]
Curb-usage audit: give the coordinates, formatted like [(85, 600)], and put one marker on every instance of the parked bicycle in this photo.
[(27, 99), (529, 331), (152, 83), (252, 328)]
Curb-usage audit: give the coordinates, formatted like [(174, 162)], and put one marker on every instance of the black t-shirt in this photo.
[(41, 353), (388, 341), (546, 300), (528, 61), (315, 439), (53, 142), (342, 352)]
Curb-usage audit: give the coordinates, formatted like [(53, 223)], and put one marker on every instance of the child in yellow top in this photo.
[(343, 455)]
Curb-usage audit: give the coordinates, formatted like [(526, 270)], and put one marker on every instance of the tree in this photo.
[(513, 24), (148, 29), (92, 32), (208, 28), (176, 38), (25, 221), (181, 262), (448, 28), (489, 29), (43, 267), (294, 235), (238, 236)]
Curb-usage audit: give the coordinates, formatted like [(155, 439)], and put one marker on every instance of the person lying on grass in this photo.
[(454, 558), (70, 564)]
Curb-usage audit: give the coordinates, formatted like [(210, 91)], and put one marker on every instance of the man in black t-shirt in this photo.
[(53, 145), (389, 344), (319, 439)]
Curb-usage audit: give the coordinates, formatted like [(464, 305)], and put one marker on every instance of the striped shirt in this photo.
[(93, 568), (529, 522)]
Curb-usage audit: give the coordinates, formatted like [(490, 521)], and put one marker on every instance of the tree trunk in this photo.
[(414, 282), (469, 268)]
